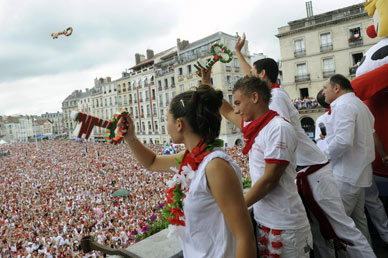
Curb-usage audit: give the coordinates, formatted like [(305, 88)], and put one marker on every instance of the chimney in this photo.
[(137, 58), (108, 79), (150, 53), (142, 58), (309, 9), (181, 44)]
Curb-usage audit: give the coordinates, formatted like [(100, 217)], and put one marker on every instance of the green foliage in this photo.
[(247, 182), (153, 227)]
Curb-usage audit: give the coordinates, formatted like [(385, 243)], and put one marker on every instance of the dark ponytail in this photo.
[(200, 108)]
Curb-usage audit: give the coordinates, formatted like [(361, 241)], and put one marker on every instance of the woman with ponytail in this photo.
[(205, 204)]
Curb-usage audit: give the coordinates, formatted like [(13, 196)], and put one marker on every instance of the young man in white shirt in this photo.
[(271, 144), (315, 180), (350, 146)]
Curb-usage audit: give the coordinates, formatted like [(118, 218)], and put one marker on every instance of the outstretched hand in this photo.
[(206, 76), (240, 43), (126, 121)]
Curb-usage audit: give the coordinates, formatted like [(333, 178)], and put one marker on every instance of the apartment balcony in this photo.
[(326, 47), (237, 69), (228, 69), (166, 87), (130, 101), (160, 104), (141, 100), (135, 101), (302, 78), (300, 52), (354, 42), (160, 88), (327, 74), (172, 86)]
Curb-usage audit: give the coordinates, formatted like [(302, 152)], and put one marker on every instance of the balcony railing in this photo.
[(327, 74), (353, 42), (302, 78), (326, 47), (160, 88), (300, 52), (160, 104)]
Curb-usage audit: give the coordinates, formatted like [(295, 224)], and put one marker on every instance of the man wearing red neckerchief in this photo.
[(315, 179), (271, 144)]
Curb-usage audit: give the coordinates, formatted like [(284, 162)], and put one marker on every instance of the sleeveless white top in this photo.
[(206, 233)]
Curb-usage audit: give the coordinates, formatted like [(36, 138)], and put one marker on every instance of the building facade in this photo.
[(145, 91), (314, 48)]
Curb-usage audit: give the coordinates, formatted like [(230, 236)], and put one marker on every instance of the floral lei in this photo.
[(189, 161)]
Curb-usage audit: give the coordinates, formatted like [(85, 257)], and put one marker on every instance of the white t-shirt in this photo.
[(307, 153), (282, 207), (321, 144), (350, 140), (206, 233)]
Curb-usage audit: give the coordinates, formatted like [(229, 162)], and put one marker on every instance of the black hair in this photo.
[(321, 99), (200, 108), (342, 81), (270, 66), (247, 85)]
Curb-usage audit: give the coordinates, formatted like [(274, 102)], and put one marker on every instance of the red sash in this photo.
[(252, 130)]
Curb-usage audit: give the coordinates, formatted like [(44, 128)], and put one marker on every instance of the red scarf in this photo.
[(174, 195), (252, 130), (275, 85), (328, 110)]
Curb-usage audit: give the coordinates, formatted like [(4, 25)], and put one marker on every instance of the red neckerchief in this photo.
[(328, 110), (275, 85), (252, 130), (193, 158)]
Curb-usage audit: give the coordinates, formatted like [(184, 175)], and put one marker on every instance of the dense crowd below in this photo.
[(56, 192)]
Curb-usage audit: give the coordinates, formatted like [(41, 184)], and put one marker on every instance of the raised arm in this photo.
[(226, 108), (143, 154), (226, 189), (241, 59)]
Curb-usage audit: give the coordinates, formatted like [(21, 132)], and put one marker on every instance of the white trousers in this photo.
[(295, 243), (376, 209), (327, 195)]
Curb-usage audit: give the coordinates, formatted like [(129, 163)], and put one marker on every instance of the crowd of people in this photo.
[(306, 103), (53, 194)]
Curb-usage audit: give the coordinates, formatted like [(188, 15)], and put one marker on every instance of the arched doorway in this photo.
[(308, 126), (239, 142)]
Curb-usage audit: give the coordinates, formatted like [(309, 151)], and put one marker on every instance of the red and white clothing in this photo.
[(282, 208), (206, 233), (351, 151), (307, 152), (320, 182), (350, 140)]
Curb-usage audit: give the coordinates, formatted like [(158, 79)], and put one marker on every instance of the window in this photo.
[(328, 67), (182, 88), (149, 125), (154, 108), (156, 125), (180, 71), (299, 48), (326, 43), (304, 93), (143, 126), (189, 68), (172, 80), (167, 99), (236, 63), (301, 71), (148, 110), (355, 38), (356, 61)]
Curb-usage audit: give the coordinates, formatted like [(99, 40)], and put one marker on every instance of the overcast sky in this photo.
[(37, 72)]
